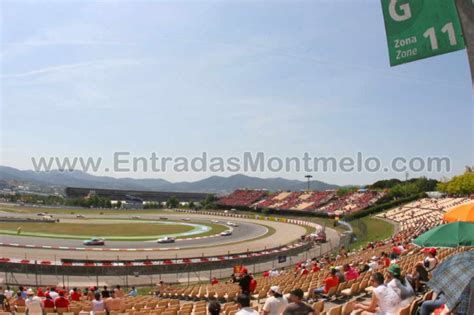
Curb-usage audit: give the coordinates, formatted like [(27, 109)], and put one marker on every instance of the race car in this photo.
[(214, 221), (94, 241), (80, 216), (229, 223), (186, 219), (226, 233), (135, 217), (166, 240)]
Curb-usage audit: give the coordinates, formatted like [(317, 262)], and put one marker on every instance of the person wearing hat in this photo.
[(244, 281), (400, 284), (430, 261), (33, 303), (276, 303), (297, 306)]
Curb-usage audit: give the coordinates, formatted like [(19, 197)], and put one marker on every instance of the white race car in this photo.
[(214, 221), (166, 240), (226, 233), (229, 223)]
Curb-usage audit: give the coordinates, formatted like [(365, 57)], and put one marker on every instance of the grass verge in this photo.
[(370, 229), (117, 231)]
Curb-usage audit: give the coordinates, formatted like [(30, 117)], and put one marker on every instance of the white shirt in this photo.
[(275, 306), (53, 295), (373, 265), (389, 301), (247, 311), (8, 293), (98, 306), (274, 273), (405, 292), (34, 305)]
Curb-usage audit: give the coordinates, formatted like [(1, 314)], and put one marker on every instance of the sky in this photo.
[(90, 78)]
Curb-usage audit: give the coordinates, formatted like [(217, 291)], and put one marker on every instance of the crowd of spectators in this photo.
[(52, 299)]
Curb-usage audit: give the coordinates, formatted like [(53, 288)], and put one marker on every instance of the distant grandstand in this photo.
[(147, 196), (326, 202)]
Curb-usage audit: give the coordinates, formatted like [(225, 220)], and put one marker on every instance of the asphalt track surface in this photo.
[(244, 231), (248, 236)]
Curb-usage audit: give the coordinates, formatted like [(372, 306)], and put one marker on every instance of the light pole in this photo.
[(308, 177)]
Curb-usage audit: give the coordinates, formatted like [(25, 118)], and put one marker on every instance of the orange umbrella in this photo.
[(463, 213)]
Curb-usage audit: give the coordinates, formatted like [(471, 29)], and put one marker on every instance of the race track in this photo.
[(250, 235)]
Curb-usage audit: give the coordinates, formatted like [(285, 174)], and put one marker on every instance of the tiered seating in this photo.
[(427, 212), (242, 198), (304, 201), (351, 202), (320, 201)]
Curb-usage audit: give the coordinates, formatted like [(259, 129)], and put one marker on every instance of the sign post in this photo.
[(418, 29)]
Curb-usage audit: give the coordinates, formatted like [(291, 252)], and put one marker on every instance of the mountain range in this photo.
[(213, 184)]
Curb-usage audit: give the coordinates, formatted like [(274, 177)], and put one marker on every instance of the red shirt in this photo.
[(304, 271), (253, 285), (315, 268), (75, 296), (386, 261), (330, 282), (396, 250), (214, 281), (266, 274), (61, 302), (48, 303)]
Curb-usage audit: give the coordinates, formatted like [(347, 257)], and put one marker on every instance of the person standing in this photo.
[(276, 303), (297, 306), (105, 292), (244, 281)]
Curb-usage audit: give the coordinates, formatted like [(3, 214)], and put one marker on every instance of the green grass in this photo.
[(116, 231), (81, 211), (370, 229)]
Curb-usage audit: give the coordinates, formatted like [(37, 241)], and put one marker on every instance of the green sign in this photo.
[(418, 29)]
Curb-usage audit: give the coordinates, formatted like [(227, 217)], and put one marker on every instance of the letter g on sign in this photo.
[(393, 12)]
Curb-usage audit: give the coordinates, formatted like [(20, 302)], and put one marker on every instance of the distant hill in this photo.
[(213, 184)]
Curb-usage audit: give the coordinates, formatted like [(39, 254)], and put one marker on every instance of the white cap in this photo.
[(275, 289), (30, 292)]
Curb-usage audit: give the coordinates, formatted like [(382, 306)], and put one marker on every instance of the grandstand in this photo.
[(242, 198), (310, 201), (426, 212), (193, 299)]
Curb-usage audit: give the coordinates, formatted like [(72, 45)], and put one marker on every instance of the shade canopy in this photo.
[(460, 213), (448, 235)]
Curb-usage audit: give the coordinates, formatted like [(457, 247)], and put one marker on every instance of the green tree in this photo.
[(172, 202)]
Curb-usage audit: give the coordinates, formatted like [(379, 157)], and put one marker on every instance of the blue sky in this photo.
[(178, 78)]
